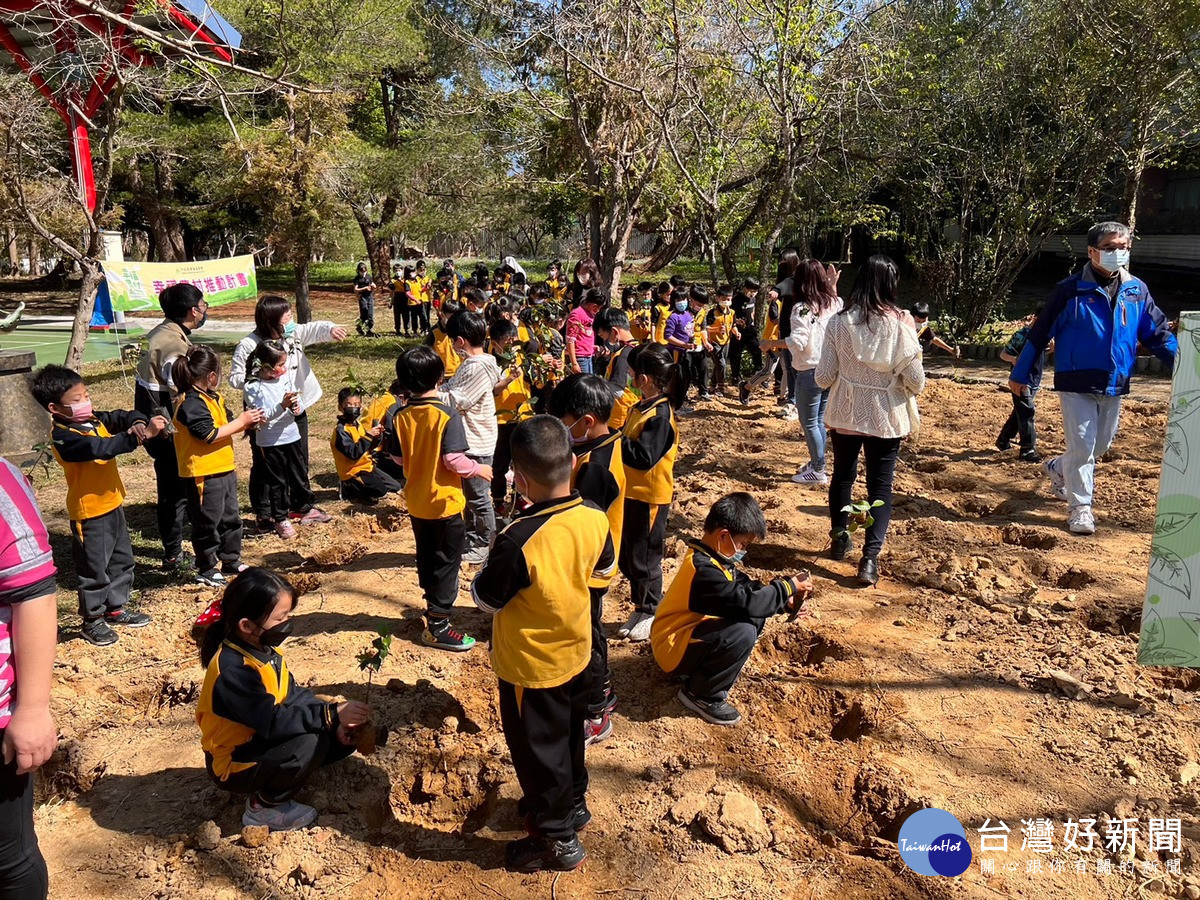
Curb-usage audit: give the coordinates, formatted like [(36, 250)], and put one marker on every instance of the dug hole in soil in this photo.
[(992, 673)]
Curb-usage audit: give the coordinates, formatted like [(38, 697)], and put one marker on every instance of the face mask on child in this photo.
[(725, 304), (275, 635), (681, 305), (353, 412), (80, 412), (289, 329), (577, 439)]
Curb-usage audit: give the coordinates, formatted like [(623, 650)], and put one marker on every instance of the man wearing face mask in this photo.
[(1096, 317), (154, 394)]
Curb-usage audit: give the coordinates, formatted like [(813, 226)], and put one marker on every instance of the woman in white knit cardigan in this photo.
[(871, 363)]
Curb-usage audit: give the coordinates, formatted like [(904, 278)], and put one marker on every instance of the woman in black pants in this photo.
[(871, 364)]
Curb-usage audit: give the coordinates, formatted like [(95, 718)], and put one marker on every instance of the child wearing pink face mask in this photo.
[(86, 444), (280, 465)]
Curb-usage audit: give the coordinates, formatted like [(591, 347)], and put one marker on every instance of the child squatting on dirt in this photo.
[(261, 734), (535, 584), (712, 615)]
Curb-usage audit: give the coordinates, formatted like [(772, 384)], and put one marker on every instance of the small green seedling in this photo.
[(860, 514), (371, 659)]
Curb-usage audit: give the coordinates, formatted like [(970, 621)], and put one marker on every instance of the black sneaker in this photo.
[(743, 393), (1003, 446), (840, 548), (233, 568), (439, 633), (718, 712), (96, 631), (582, 815), (212, 578), (127, 618), (533, 854), (1029, 456)]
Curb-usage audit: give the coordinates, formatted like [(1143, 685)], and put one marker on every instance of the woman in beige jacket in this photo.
[(871, 364)]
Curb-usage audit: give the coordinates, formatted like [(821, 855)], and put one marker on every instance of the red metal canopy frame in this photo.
[(68, 20)]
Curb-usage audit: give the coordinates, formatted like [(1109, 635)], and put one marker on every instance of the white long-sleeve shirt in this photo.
[(470, 391), (280, 426), (807, 337)]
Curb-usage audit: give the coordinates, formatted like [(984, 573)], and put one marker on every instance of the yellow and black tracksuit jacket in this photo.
[(378, 409), (412, 291), (198, 449), (618, 377), (771, 328), (707, 587), (515, 402), (641, 324), (421, 433), (250, 703), (535, 582), (599, 478), (352, 448), (648, 448), (444, 347), (719, 324), (558, 289), (87, 452), (659, 316)]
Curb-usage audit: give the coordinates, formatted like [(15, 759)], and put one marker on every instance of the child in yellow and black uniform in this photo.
[(535, 582), (431, 442), (204, 434), (354, 443), (86, 444), (263, 735), (584, 403), (375, 414), (712, 615), (641, 323), (661, 311), (440, 341), (719, 325), (514, 400), (612, 326), (649, 447), (424, 293)]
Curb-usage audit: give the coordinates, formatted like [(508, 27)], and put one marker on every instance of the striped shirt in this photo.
[(469, 391), (24, 560)]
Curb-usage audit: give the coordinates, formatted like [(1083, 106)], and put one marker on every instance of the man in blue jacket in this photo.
[(1097, 317)]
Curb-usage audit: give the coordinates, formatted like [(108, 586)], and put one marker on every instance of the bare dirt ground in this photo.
[(991, 674)]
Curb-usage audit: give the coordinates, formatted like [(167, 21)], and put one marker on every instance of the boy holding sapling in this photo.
[(535, 583), (711, 616)]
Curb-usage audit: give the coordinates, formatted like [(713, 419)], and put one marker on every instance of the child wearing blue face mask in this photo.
[(262, 734), (710, 618)]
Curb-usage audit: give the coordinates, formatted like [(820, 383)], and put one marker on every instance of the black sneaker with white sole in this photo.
[(533, 854), (126, 618), (718, 712), (96, 631)]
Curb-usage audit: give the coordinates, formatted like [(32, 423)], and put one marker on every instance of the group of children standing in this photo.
[(591, 460)]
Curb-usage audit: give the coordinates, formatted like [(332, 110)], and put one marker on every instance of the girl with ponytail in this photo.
[(648, 449), (204, 449), (262, 735)]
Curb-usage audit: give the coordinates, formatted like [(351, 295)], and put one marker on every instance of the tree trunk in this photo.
[(668, 251), (92, 276), (1133, 187), (35, 258), (14, 251), (303, 302)]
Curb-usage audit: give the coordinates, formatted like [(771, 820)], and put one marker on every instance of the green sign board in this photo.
[(1171, 614)]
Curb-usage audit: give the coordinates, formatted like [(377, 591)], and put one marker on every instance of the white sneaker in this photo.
[(808, 476), (638, 624), (788, 412), (1081, 521), (1058, 484)]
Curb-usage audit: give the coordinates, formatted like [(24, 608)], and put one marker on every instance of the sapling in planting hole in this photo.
[(371, 661)]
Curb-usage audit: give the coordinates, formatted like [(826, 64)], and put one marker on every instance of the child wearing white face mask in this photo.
[(86, 444), (280, 463), (710, 618), (719, 324)]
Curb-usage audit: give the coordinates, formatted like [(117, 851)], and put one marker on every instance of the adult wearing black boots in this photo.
[(871, 364)]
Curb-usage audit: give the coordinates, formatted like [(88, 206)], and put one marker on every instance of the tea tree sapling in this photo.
[(371, 661), (860, 514)]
